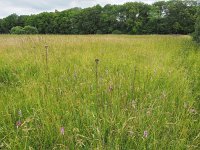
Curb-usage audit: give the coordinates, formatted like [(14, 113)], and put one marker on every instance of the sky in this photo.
[(27, 7)]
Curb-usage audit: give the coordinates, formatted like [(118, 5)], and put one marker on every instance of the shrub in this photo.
[(17, 30), (25, 30), (30, 30), (116, 32)]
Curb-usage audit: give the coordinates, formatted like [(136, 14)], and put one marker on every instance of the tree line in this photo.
[(196, 34), (163, 17)]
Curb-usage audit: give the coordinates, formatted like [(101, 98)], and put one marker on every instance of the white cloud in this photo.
[(26, 7)]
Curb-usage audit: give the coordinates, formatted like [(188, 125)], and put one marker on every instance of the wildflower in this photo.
[(145, 134), (18, 123), (62, 131), (46, 46)]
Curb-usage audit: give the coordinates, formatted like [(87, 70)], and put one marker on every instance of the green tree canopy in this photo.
[(25, 30), (197, 29), (30, 30), (17, 30), (163, 17)]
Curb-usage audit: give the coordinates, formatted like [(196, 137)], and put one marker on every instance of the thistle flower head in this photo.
[(97, 60)]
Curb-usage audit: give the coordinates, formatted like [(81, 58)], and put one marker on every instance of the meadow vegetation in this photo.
[(99, 92)]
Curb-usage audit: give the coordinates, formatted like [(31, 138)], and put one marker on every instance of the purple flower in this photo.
[(62, 130), (145, 134), (18, 123)]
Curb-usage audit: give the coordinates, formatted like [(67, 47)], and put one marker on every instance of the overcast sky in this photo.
[(24, 7)]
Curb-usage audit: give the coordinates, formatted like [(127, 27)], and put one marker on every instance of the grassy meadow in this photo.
[(99, 92)]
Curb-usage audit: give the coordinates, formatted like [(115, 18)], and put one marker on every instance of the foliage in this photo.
[(99, 32), (116, 32), (197, 29), (25, 30), (9, 22), (163, 17), (30, 30), (17, 30)]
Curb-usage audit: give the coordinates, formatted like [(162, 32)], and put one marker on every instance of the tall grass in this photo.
[(142, 92)]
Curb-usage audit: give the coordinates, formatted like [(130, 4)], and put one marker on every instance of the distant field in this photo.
[(143, 93)]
